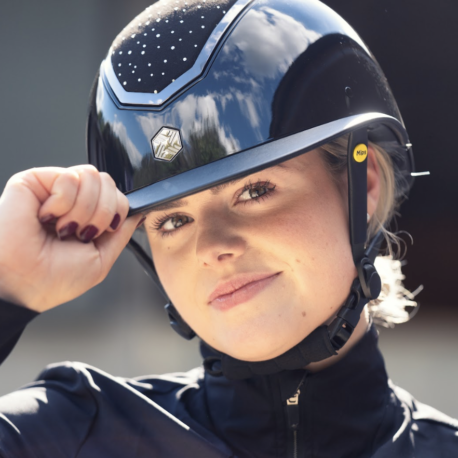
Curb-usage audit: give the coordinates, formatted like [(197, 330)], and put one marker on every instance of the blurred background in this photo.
[(49, 53)]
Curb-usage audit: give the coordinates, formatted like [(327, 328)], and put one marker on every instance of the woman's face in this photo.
[(256, 265)]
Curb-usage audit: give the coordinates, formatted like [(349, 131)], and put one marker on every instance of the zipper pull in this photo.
[(292, 413), (292, 409)]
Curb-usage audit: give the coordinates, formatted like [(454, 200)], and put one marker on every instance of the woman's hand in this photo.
[(61, 231)]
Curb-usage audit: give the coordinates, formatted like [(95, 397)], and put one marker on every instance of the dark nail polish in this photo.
[(141, 222), (68, 230), (88, 233), (47, 219), (116, 220)]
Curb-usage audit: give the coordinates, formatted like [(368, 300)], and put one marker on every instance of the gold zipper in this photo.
[(292, 408)]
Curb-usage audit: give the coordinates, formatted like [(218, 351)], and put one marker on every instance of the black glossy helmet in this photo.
[(195, 93)]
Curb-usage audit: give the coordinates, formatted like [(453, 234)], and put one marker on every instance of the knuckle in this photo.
[(89, 167), (88, 170), (15, 181), (21, 180), (107, 178), (16, 177), (71, 176), (92, 171), (19, 177)]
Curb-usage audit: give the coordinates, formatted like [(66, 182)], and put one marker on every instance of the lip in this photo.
[(239, 289)]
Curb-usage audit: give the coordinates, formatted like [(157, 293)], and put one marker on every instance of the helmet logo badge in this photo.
[(167, 144), (360, 153)]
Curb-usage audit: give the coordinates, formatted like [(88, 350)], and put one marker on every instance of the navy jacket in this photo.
[(349, 410)]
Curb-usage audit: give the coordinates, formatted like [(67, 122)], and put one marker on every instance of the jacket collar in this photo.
[(342, 407)]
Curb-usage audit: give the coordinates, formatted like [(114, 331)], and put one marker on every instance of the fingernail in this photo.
[(88, 233), (116, 220), (141, 222), (67, 231), (47, 218)]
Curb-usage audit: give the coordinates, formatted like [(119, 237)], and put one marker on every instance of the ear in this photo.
[(373, 181)]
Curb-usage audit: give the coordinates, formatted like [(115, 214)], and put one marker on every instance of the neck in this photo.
[(315, 347), (357, 335)]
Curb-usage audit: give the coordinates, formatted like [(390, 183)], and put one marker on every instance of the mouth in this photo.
[(239, 289)]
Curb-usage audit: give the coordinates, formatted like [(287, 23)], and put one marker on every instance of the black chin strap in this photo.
[(315, 347), (325, 341), (367, 284)]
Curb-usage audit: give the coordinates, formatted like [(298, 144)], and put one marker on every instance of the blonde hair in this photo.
[(390, 307)]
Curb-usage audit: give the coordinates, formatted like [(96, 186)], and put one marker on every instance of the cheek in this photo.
[(173, 270), (313, 240), (178, 273), (318, 228)]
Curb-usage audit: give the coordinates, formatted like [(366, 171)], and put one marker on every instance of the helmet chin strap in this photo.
[(326, 340), (367, 285)]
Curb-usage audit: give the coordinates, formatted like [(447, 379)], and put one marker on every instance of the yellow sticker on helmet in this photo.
[(360, 152)]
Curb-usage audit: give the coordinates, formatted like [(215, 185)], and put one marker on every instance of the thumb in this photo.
[(111, 244)]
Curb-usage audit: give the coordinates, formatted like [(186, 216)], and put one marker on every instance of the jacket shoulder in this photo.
[(34, 419), (433, 433), (73, 405)]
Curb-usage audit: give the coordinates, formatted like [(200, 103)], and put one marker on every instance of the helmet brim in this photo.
[(261, 157)]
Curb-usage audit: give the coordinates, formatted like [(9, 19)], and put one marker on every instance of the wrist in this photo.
[(11, 298)]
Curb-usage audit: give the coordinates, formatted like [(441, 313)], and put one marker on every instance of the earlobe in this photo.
[(373, 181)]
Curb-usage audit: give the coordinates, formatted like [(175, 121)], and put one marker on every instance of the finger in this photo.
[(111, 244), (105, 210), (76, 220), (122, 210), (38, 182), (62, 196)]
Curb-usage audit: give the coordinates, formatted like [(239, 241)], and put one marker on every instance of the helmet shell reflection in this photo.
[(279, 68)]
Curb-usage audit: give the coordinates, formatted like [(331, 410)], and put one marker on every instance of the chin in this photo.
[(260, 341)]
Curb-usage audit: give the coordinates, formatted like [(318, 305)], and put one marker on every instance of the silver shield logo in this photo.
[(166, 144)]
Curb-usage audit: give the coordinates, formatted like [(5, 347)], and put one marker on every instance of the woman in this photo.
[(266, 154)]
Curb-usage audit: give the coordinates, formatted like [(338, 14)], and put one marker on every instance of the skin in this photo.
[(39, 269), (289, 221), (297, 229)]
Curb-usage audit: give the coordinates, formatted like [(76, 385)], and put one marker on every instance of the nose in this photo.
[(219, 242)]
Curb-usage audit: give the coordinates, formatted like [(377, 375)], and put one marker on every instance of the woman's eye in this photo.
[(175, 222), (255, 192)]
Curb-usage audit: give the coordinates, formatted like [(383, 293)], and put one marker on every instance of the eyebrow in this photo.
[(215, 190), (169, 205)]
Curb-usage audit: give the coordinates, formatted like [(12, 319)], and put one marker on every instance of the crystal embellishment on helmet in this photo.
[(166, 144), (191, 29)]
